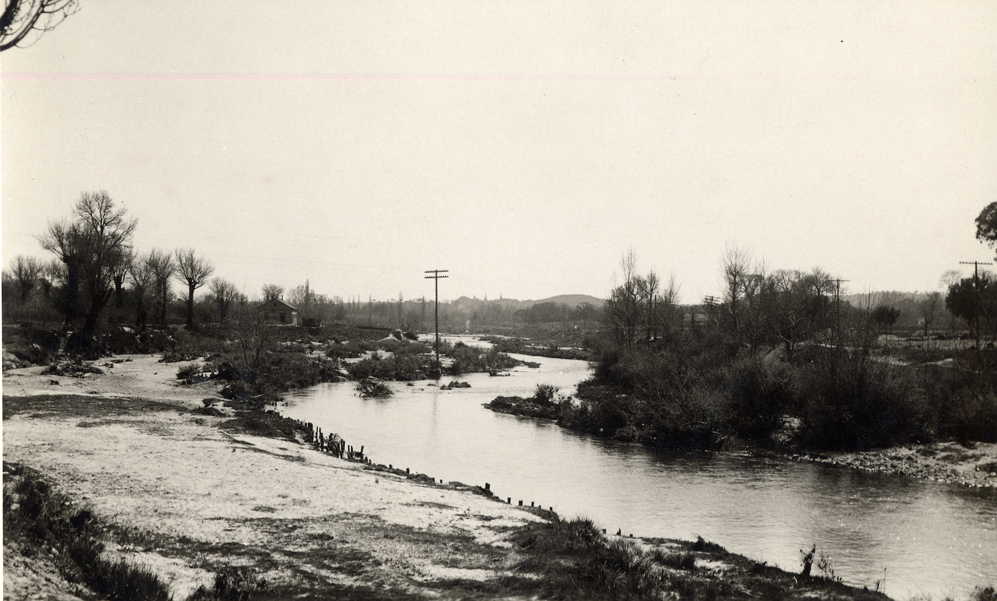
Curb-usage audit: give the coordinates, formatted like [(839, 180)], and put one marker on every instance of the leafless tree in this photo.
[(118, 274), (272, 291), (930, 307), (26, 271), (298, 296), (225, 294), (142, 280), (735, 269), (162, 267), (622, 310), (91, 246), (22, 17), (52, 272), (193, 271), (255, 337)]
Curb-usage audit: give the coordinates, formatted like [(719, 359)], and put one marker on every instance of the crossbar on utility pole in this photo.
[(976, 295), (436, 307)]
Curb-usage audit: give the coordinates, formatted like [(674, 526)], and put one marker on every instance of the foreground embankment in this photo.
[(211, 500)]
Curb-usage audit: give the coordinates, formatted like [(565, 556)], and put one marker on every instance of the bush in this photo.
[(759, 396), (185, 372), (400, 367), (39, 518), (853, 403)]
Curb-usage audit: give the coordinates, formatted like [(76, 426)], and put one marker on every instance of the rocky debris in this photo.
[(455, 384), (372, 388), (75, 368), (531, 407), (945, 462)]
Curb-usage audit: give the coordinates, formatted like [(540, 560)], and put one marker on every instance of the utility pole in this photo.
[(976, 296), (437, 277)]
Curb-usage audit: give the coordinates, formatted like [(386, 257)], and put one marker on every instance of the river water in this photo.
[(925, 538)]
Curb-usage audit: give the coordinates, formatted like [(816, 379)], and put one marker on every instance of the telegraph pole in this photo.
[(976, 296), (436, 306)]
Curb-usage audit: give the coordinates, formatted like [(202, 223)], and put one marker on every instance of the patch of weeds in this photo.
[(80, 406), (703, 546), (678, 561), (187, 371), (231, 584), (826, 567), (269, 424), (987, 467), (44, 522), (372, 389)]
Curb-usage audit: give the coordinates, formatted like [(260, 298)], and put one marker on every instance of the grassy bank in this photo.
[(45, 526)]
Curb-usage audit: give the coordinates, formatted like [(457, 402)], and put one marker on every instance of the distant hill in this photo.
[(572, 300)]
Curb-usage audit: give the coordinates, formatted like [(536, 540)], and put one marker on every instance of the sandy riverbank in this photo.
[(126, 445)]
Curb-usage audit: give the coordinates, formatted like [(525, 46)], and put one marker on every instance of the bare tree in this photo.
[(142, 280), (52, 272), (193, 271), (735, 266), (272, 292), (255, 337), (298, 295), (225, 294), (118, 274), (92, 247), (622, 310), (929, 310), (162, 267), (21, 17), (26, 271)]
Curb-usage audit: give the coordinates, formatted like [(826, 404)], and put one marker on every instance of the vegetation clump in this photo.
[(573, 559), (40, 523), (546, 403)]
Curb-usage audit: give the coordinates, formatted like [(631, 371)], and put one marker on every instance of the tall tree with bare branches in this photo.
[(162, 267), (26, 271), (92, 246), (272, 291), (225, 294), (142, 281), (193, 271)]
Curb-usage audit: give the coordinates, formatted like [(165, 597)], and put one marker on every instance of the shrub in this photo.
[(39, 518), (185, 372), (851, 402)]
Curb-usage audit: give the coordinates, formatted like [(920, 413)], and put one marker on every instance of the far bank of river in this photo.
[(922, 536)]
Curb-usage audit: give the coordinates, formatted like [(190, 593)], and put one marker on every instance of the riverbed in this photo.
[(919, 537)]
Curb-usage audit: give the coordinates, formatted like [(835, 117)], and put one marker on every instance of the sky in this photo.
[(525, 146)]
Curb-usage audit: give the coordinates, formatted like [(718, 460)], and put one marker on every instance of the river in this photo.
[(925, 538)]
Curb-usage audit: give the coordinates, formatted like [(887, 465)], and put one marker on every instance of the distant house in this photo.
[(277, 311)]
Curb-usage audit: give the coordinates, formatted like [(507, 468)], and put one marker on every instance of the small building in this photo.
[(277, 311)]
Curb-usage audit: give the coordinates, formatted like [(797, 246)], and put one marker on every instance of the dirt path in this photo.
[(188, 497)]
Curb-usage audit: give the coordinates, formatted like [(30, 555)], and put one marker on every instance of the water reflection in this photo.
[(932, 538)]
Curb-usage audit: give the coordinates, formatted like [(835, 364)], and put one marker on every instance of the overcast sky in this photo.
[(524, 146)]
